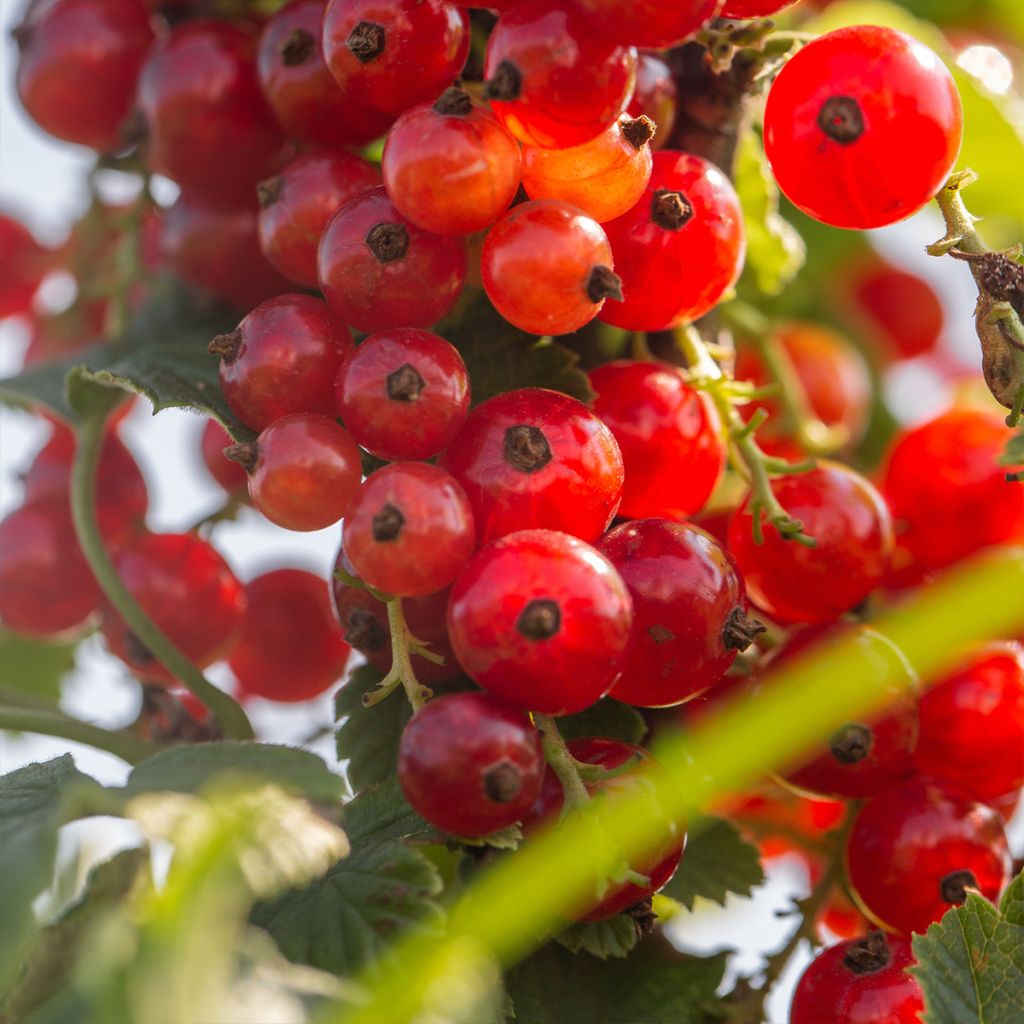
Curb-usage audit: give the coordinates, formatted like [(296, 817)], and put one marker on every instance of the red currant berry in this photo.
[(551, 79), (289, 648), (972, 725), (547, 267), (669, 434), (182, 583), (679, 248), (23, 263), (656, 96), (409, 529), (303, 470), (78, 65), (947, 491), (379, 271), (296, 205), (537, 458), (659, 866), (230, 476), (281, 359), (688, 611), (917, 847), (300, 88), (541, 619), (393, 54), (207, 125), (862, 981), (451, 167), (853, 535), (403, 394), (657, 24), (862, 127), (604, 177), (470, 763), (754, 9), (46, 587)]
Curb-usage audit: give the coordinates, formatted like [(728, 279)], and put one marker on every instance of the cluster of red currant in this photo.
[(555, 553)]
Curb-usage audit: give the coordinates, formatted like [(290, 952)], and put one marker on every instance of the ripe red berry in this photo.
[(301, 91), (409, 529), (380, 271), (754, 8), (852, 530), (669, 434), (470, 763), (947, 491), (656, 96), (551, 78), (303, 470), (403, 394), (282, 359), (46, 587), (289, 648), (679, 248), (861, 981), (547, 267), (78, 65), (916, 847), (393, 54), (658, 866), (450, 167), (541, 619), (657, 24), (23, 262), (604, 177), (851, 103), (182, 583), (207, 125), (230, 476), (536, 458), (296, 205), (972, 725)]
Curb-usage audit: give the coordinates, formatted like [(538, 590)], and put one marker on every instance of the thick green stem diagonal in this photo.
[(55, 723)]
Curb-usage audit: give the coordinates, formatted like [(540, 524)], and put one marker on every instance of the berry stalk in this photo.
[(563, 764), (403, 646)]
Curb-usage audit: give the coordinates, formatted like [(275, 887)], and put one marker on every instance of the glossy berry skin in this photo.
[(853, 534), (22, 266), (379, 271), (656, 24), (547, 267), (403, 394), (46, 587), (902, 308), (282, 359), (229, 476), (303, 470), (198, 90), (679, 248), (409, 529), (862, 127), (470, 763), (688, 611), (947, 491), (861, 757), (916, 846), (450, 167), (551, 78), (289, 648), (860, 981), (656, 96), (658, 867), (78, 65), (296, 205), (754, 8), (534, 458), (604, 177), (299, 87), (183, 584), (542, 620), (669, 435), (972, 725), (392, 54)]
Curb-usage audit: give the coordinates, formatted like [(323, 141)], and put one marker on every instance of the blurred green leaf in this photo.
[(1013, 453), (614, 936), (33, 667), (609, 718)]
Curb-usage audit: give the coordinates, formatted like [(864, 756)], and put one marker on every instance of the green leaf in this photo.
[(717, 861), (381, 813), (1013, 453), (504, 839), (188, 769), (655, 985), (608, 718), (614, 936), (970, 964), (775, 250), (32, 667)]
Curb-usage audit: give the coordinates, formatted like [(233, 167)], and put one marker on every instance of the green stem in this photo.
[(563, 764), (960, 233), (229, 714), (401, 672), (55, 723), (128, 267)]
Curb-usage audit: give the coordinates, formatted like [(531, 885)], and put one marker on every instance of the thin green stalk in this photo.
[(401, 673), (563, 764), (227, 711), (55, 723)]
